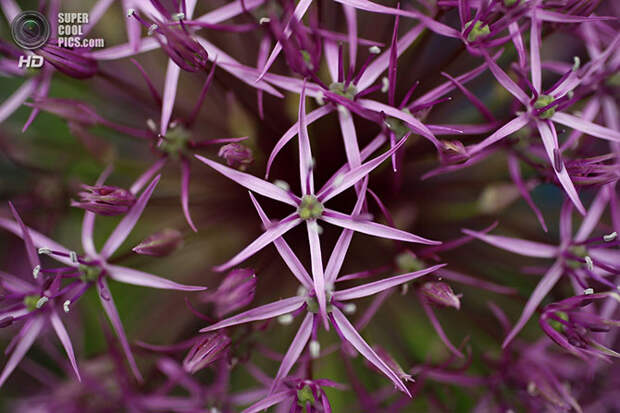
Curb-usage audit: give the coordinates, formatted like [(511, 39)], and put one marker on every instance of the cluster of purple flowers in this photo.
[(551, 116)]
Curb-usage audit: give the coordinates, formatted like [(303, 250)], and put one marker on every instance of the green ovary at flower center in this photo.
[(581, 252), (30, 301), (175, 141), (543, 101), (310, 208), (339, 89), (478, 31), (304, 395), (89, 274)]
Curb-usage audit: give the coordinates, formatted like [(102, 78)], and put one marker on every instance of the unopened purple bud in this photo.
[(392, 364), (70, 62), (210, 348), (236, 155), (236, 291), (440, 293), (6, 321), (105, 200), (160, 244)]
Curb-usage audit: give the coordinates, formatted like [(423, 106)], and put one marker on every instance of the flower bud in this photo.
[(160, 244), (392, 364), (236, 155), (440, 293), (210, 348), (236, 291), (105, 200), (69, 61)]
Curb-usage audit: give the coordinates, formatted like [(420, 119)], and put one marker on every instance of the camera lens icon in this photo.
[(30, 30)]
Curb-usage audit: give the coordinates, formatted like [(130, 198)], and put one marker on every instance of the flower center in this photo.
[(175, 141), (310, 208), (397, 126), (556, 325), (479, 30), (543, 101), (30, 301), (304, 396), (89, 273), (338, 88)]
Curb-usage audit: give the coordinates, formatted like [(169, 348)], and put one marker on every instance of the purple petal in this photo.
[(593, 216), (413, 122), (287, 254), (10, 105), (294, 130), (126, 225), (147, 176), (377, 286), (125, 50), (515, 174), (63, 336), (269, 401), (506, 81), (346, 180), (27, 335), (351, 17), (372, 228), (535, 51), (542, 289), (511, 127), (264, 312), (251, 182), (135, 277), (349, 137), (352, 336), (551, 145), (516, 245), (586, 127), (10, 9), (170, 92), (305, 152), (229, 10), (185, 176), (272, 233), (115, 320), (430, 313), (39, 240), (317, 269), (33, 257), (342, 245), (294, 350)]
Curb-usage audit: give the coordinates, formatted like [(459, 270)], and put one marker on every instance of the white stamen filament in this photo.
[(610, 237), (35, 271), (65, 305), (349, 308), (285, 319), (282, 184), (316, 227), (374, 50), (320, 98), (385, 84), (315, 349), (41, 302), (589, 263)]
